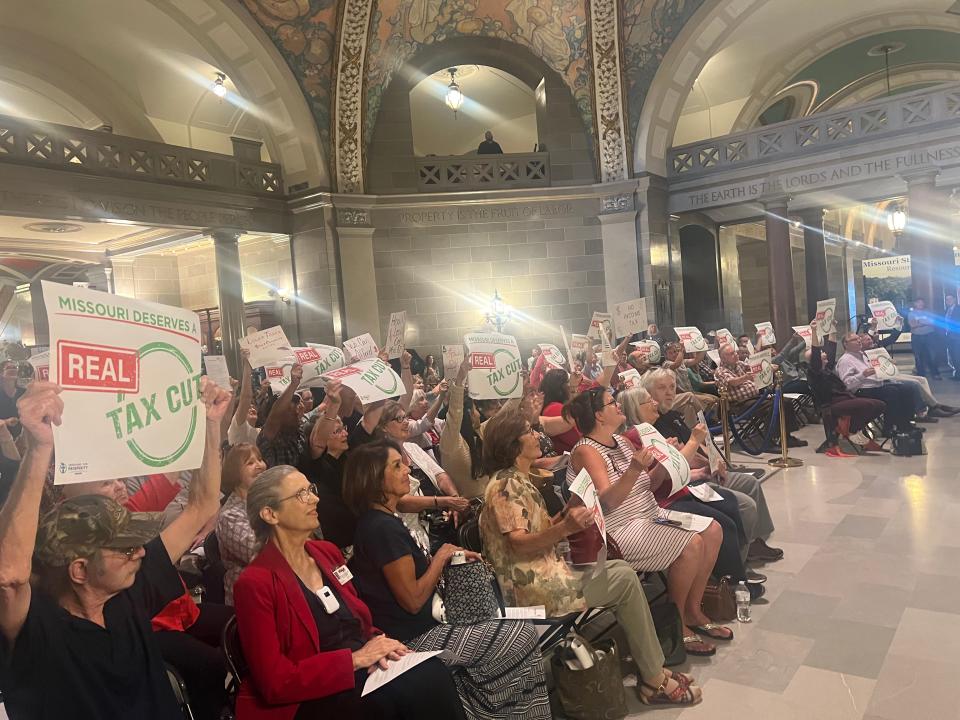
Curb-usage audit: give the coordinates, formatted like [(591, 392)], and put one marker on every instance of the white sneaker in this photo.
[(858, 439)]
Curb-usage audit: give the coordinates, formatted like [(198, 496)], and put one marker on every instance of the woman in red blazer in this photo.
[(308, 639)]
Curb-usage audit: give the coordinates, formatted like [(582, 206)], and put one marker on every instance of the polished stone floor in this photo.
[(861, 620)]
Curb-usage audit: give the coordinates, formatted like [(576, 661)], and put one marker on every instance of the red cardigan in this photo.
[(280, 640)]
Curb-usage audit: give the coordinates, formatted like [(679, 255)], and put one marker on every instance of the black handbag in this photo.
[(471, 593), (667, 621), (594, 693), (908, 444), (468, 532)]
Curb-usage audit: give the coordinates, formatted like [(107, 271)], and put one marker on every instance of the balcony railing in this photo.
[(890, 116), (483, 172), (92, 151)]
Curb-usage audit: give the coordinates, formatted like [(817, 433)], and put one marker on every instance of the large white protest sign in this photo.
[(765, 334), (130, 373), (41, 365), (583, 487), (216, 367), (267, 347), (362, 347), (886, 315), (691, 338), (552, 355), (371, 379), (630, 378), (725, 337), (805, 332), (452, 358), (496, 364), (395, 334), (648, 350), (667, 455), (881, 361), (315, 361), (761, 366), (629, 317), (826, 316), (600, 323)]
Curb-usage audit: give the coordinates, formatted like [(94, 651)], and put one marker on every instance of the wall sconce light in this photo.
[(498, 313), (897, 220)]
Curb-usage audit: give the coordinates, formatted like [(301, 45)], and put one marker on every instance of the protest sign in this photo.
[(826, 320), (315, 360), (267, 347), (372, 380), (713, 455), (583, 487), (765, 335), (714, 355), (881, 361), (41, 365), (395, 334), (566, 347), (761, 365), (886, 315), (649, 351), (667, 455), (580, 347), (216, 367), (805, 332), (497, 365), (691, 338), (552, 355), (600, 323), (631, 378), (130, 373), (362, 347), (725, 337), (629, 317), (607, 358), (452, 358)]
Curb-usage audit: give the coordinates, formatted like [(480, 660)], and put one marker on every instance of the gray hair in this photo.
[(657, 374), (391, 411), (265, 492), (417, 396), (630, 402)]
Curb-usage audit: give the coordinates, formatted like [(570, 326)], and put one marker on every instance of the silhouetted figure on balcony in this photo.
[(489, 146)]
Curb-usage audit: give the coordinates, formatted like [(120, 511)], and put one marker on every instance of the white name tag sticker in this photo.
[(342, 574)]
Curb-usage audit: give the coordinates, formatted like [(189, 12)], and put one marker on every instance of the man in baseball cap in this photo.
[(78, 642)]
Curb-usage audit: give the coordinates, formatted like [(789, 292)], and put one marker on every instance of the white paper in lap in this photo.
[(666, 455), (495, 359), (267, 347), (395, 668), (130, 373)]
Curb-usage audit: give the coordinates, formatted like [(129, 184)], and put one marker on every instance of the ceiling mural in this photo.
[(304, 32), (648, 28), (554, 30)]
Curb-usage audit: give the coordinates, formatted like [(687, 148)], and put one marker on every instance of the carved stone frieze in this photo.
[(348, 99), (608, 90), (353, 216), (617, 203)]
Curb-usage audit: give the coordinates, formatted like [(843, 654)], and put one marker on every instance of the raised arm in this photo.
[(283, 407), (204, 498), (246, 388), (40, 408), (407, 376), (326, 420)]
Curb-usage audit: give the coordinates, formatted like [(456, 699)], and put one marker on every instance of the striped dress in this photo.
[(646, 545)]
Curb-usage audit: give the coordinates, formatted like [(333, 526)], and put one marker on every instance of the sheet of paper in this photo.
[(583, 487), (534, 612), (704, 492), (600, 322), (395, 668), (452, 358), (666, 455), (751, 348), (629, 317), (881, 361), (826, 316), (714, 355), (267, 347), (552, 355), (886, 315), (725, 337), (649, 351), (805, 332), (395, 334), (689, 521), (362, 347), (607, 358), (765, 334), (371, 380), (216, 366), (580, 346), (631, 378), (497, 366), (692, 339), (760, 364), (713, 455)]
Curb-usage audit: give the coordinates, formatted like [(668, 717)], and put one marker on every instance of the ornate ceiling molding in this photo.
[(348, 95), (608, 90)]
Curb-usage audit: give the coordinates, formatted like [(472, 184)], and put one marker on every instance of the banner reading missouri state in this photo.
[(130, 372)]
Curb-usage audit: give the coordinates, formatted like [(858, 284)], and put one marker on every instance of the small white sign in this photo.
[(580, 345), (713, 455), (566, 347), (805, 332), (607, 358), (371, 379), (762, 366), (41, 365), (217, 370), (692, 339), (826, 317), (452, 359), (649, 351), (583, 487), (396, 331), (267, 347), (631, 379), (886, 315), (496, 366), (765, 334), (666, 455), (725, 337), (362, 347), (881, 361), (600, 322), (630, 317), (552, 355)]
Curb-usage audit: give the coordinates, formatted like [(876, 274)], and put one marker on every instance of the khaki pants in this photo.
[(619, 588), (688, 404)]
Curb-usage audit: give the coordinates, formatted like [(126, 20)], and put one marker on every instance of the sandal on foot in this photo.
[(711, 631), (682, 695), (704, 650), (681, 678)]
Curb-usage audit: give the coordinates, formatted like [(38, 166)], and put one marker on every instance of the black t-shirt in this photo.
[(63, 666), (671, 424), (337, 523), (489, 147), (338, 630), (380, 539)]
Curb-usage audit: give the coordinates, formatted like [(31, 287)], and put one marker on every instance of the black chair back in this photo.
[(233, 651)]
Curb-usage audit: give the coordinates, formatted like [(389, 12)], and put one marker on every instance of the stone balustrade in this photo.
[(483, 172)]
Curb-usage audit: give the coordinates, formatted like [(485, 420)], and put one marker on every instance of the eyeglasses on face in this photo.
[(303, 494), (129, 552), (399, 418)]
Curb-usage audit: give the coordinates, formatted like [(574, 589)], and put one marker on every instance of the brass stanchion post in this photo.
[(724, 424), (784, 461)]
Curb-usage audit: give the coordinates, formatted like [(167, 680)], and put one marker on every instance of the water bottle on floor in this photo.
[(742, 595)]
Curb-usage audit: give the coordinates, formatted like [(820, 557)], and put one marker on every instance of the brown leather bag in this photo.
[(719, 603)]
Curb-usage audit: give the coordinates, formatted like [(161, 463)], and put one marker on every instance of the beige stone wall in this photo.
[(152, 277)]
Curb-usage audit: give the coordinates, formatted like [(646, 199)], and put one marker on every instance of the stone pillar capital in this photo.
[(775, 202), (925, 176), (225, 235), (811, 216)]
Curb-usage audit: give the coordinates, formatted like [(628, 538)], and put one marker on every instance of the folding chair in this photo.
[(558, 627), (233, 652), (179, 691)]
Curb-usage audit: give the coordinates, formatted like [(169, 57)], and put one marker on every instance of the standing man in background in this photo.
[(952, 325), (922, 334), (489, 146)]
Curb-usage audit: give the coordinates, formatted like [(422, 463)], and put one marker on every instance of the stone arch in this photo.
[(389, 166)]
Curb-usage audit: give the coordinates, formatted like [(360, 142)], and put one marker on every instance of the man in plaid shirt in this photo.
[(736, 377)]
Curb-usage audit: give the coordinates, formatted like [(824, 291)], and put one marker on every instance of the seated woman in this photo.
[(499, 671), (308, 639), (619, 474), (238, 546), (678, 362), (520, 539)]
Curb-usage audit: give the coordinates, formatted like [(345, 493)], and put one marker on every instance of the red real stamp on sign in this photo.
[(97, 368), (483, 361), (305, 355), (274, 372)]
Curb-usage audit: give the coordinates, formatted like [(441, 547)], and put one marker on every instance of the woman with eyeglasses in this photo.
[(499, 672), (309, 641), (635, 520)]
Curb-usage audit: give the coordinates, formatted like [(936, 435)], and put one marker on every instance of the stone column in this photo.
[(357, 280), (313, 251), (783, 305), (41, 326), (814, 258), (229, 294), (927, 239), (653, 241), (621, 261)]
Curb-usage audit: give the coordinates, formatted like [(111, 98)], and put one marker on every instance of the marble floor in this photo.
[(861, 620)]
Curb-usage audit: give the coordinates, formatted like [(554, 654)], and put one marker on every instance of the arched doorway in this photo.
[(701, 283)]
